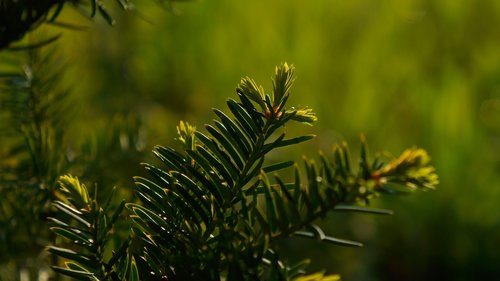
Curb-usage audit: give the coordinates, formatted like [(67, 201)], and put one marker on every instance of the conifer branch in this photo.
[(211, 211), (17, 18)]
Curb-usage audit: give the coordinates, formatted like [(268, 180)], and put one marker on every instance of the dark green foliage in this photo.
[(20, 17), (197, 215), (89, 226), (216, 210), (33, 115), (35, 112)]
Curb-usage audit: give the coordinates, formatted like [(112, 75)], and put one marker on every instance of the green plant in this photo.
[(35, 112), (20, 17), (217, 209), (33, 116), (91, 232)]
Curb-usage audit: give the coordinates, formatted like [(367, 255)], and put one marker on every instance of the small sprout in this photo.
[(413, 167), (303, 114), (186, 135), (282, 82), (76, 191), (251, 90)]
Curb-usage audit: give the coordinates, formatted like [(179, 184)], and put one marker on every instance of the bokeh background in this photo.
[(404, 73)]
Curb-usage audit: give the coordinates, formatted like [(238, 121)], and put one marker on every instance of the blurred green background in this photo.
[(416, 72)]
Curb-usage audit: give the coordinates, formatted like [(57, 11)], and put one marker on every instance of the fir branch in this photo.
[(209, 181), (34, 114), (213, 212), (88, 226), (17, 18)]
